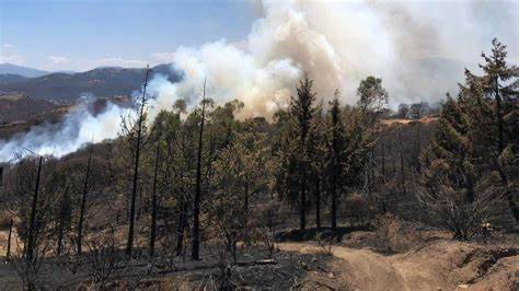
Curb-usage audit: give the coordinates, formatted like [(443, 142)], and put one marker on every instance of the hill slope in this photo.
[(101, 82), (20, 107)]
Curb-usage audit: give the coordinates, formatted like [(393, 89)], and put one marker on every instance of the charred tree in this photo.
[(83, 202), (401, 157), (32, 223), (8, 252), (198, 187), (318, 202), (154, 201), (383, 172), (138, 144)]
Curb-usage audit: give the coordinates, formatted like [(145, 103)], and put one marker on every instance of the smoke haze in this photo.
[(418, 48)]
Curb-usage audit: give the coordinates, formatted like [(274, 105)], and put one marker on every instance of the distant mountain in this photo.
[(101, 82), (11, 78), (7, 68), (65, 72)]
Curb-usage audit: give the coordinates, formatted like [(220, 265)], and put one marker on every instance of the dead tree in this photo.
[(154, 201), (403, 185), (8, 253), (32, 223), (139, 137), (318, 202), (83, 202), (196, 203), (383, 172)]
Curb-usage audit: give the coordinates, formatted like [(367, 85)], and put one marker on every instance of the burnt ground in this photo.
[(254, 269), (358, 258)]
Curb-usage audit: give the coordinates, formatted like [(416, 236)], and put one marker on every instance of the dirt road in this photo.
[(445, 265)]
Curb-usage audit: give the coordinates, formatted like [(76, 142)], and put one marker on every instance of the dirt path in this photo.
[(442, 266)]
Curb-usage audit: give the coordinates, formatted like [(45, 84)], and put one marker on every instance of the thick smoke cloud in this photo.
[(419, 48)]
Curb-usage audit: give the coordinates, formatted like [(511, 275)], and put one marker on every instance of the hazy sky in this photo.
[(83, 34)]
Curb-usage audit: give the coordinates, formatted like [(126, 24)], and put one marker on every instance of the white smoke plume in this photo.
[(419, 48), (78, 127)]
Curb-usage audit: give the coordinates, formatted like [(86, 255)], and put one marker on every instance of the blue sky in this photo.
[(83, 34)]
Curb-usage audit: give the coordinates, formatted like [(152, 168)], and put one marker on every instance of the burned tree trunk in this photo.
[(130, 240), (318, 203), (302, 201), (8, 253), (60, 239), (500, 120), (383, 172), (196, 202), (83, 203), (32, 223), (403, 185), (154, 202), (333, 205)]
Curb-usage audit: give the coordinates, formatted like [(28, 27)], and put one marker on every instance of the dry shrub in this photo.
[(28, 268), (394, 235), (103, 260), (450, 209)]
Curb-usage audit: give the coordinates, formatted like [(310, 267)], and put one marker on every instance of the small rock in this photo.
[(331, 275), (463, 287)]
